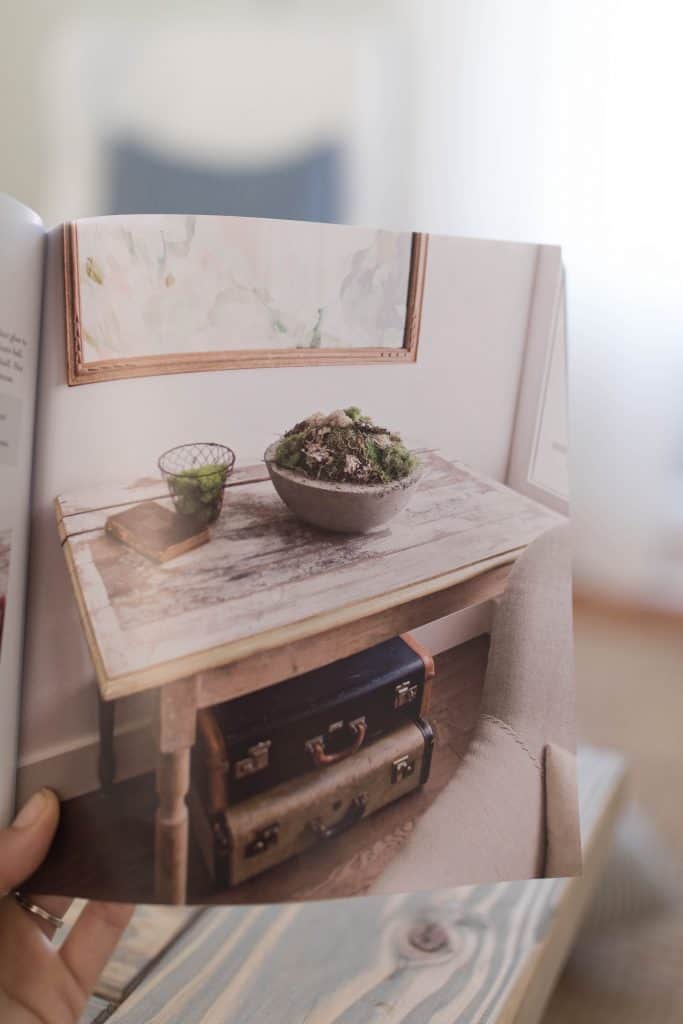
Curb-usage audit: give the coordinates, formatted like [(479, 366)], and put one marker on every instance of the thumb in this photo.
[(25, 843)]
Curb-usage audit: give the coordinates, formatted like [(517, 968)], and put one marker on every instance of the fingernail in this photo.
[(32, 810)]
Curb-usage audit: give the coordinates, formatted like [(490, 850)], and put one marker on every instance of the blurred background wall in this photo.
[(536, 121)]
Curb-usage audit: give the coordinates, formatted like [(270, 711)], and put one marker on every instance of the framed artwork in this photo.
[(539, 458), (154, 294)]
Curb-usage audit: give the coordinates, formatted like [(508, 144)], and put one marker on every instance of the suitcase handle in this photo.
[(355, 813), (316, 747)]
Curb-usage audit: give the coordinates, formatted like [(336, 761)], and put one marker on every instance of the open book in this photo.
[(284, 574)]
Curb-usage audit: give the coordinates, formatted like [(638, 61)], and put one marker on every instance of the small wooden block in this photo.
[(156, 532)]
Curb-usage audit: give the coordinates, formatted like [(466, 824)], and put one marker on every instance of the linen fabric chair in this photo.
[(511, 809)]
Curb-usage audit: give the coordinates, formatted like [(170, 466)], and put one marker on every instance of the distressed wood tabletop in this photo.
[(265, 578)]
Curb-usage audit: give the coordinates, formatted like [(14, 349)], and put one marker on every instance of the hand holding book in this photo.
[(37, 979)]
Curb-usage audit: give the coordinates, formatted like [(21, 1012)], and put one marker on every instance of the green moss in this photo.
[(345, 447), (199, 492)]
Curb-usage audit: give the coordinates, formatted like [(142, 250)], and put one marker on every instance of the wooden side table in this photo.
[(269, 598)]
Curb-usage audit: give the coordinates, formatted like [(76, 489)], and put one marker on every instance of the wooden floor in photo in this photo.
[(486, 954)]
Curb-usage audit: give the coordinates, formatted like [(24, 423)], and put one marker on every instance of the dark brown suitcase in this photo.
[(317, 719), (244, 840)]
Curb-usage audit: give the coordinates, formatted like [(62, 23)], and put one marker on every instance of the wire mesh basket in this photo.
[(196, 475)]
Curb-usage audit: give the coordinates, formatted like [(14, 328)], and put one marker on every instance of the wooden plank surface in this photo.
[(150, 932), (266, 579), (96, 1010), (477, 955)]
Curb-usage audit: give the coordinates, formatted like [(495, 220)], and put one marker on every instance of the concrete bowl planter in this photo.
[(342, 507)]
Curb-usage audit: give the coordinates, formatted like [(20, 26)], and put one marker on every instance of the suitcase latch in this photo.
[(402, 767), (256, 760), (221, 832), (405, 693), (262, 841)]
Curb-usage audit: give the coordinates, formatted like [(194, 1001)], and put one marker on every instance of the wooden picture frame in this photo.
[(80, 371)]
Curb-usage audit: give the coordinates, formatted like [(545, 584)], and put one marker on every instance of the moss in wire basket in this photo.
[(199, 492), (344, 447)]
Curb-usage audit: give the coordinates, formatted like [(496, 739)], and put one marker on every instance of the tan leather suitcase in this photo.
[(245, 839)]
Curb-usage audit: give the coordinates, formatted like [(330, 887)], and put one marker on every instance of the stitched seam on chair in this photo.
[(518, 740)]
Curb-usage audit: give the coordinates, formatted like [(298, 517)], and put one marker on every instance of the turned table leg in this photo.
[(107, 760), (176, 723), (171, 834)]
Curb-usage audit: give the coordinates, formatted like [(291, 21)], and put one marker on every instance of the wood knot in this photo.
[(429, 937)]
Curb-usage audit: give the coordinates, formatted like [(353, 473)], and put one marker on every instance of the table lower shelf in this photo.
[(105, 843)]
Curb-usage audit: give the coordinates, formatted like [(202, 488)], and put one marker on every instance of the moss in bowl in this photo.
[(342, 471), (345, 447)]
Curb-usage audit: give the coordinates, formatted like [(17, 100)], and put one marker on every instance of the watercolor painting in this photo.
[(157, 287)]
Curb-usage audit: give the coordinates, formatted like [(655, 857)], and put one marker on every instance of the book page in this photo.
[(22, 246), (227, 557)]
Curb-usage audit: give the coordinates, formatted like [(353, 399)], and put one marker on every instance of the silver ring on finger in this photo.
[(32, 908)]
